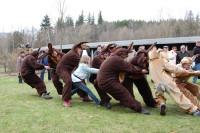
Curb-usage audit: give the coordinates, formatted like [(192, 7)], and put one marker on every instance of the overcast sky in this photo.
[(19, 14)]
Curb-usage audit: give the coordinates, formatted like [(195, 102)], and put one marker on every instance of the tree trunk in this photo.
[(5, 67)]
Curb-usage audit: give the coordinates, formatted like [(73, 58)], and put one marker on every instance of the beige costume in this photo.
[(160, 71), (191, 91)]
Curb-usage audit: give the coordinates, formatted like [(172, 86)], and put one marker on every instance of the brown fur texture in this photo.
[(28, 68), (96, 63), (54, 56), (108, 80), (140, 81), (67, 64)]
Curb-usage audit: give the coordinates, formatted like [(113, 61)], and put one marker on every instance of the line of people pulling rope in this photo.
[(113, 71)]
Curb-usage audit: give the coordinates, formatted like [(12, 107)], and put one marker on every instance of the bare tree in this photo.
[(60, 27)]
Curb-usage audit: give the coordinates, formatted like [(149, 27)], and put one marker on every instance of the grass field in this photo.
[(22, 111)]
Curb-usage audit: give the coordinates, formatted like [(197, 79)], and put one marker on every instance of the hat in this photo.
[(165, 46)]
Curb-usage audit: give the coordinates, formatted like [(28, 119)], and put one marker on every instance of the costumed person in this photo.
[(140, 60), (190, 90), (29, 76), (80, 74), (54, 57), (66, 66), (108, 81), (160, 71), (97, 61), (19, 65)]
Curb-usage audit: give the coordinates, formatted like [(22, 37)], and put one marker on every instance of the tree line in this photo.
[(92, 28)]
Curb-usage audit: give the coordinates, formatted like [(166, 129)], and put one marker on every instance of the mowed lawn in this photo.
[(21, 110)]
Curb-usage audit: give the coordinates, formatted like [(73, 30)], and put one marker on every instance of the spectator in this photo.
[(99, 48), (19, 64), (181, 54), (141, 48), (196, 53), (166, 48), (172, 55), (44, 61)]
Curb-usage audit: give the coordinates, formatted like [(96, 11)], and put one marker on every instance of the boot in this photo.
[(196, 113), (145, 111), (106, 105), (67, 103), (46, 95), (162, 109)]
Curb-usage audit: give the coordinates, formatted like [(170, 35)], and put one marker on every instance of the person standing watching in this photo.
[(196, 53), (172, 55), (20, 59), (181, 54), (45, 62)]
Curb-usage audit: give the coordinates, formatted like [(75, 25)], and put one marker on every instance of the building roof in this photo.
[(167, 41)]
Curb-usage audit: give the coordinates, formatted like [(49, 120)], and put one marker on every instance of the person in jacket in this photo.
[(20, 59), (45, 62), (196, 54), (80, 75), (181, 54)]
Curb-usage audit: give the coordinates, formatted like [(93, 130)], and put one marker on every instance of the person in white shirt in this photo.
[(80, 74), (172, 55)]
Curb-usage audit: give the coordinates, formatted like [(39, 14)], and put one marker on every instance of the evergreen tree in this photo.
[(46, 27), (100, 18), (18, 38), (92, 20), (80, 20), (69, 22), (89, 19), (46, 24)]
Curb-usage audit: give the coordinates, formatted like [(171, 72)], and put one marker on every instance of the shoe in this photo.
[(46, 96), (145, 111), (67, 103), (48, 93), (196, 113), (106, 105), (163, 109)]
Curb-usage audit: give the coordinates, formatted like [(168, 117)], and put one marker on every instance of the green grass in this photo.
[(21, 110)]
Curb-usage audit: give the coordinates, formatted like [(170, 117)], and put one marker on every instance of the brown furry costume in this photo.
[(66, 66), (53, 61), (140, 61), (28, 68), (97, 61), (108, 80), (54, 56)]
